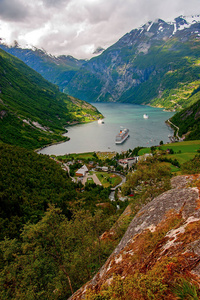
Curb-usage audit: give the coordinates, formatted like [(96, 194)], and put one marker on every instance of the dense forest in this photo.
[(37, 194), (30, 182), (188, 120)]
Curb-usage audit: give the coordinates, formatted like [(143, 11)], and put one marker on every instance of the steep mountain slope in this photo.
[(154, 61), (33, 112), (157, 64), (159, 255), (28, 183), (188, 120)]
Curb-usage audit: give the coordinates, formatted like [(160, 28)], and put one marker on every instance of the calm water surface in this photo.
[(101, 137)]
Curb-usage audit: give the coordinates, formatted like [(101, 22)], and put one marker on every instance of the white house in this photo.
[(105, 169), (128, 162), (82, 171)]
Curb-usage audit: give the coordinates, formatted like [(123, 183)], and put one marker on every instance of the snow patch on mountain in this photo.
[(151, 23), (184, 22), (192, 19), (180, 23)]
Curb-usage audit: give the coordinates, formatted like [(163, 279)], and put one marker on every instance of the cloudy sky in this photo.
[(78, 27)]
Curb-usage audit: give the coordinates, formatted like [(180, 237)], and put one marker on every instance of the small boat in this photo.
[(145, 116), (100, 121), (122, 136)]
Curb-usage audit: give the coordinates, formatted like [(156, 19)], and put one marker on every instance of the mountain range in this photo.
[(156, 64)]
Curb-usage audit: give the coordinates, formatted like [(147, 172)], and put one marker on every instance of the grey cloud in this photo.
[(13, 10), (55, 3), (101, 12), (77, 27), (87, 25)]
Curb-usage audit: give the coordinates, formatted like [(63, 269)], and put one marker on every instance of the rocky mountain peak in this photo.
[(158, 30), (180, 21)]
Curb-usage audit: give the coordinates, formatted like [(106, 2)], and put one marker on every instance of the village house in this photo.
[(128, 162), (82, 171), (105, 169), (123, 163)]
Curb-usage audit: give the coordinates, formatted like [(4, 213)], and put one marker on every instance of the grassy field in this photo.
[(183, 152), (90, 180), (184, 147), (144, 151), (108, 179), (105, 155), (90, 155), (79, 156)]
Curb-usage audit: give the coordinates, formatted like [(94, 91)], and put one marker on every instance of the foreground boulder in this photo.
[(159, 255)]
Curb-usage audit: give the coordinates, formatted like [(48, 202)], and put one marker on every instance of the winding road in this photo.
[(112, 194), (176, 128)]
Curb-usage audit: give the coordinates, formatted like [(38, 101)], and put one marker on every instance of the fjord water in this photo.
[(101, 137)]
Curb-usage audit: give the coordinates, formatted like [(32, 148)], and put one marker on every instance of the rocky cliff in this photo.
[(159, 255)]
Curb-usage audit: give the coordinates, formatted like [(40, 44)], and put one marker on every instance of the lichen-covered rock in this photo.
[(166, 228)]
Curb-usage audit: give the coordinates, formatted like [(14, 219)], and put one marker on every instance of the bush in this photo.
[(192, 166)]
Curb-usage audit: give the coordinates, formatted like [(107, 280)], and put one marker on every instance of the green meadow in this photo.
[(79, 156), (185, 147), (183, 151), (108, 179)]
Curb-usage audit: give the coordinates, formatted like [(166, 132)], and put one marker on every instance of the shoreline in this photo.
[(80, 145), (68, 138), (52, 144), (174, 138)]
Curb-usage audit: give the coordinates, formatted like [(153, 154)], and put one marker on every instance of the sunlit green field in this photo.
[(183, 152), (76, 156), (108, 179), (184, 147), (90, 155)]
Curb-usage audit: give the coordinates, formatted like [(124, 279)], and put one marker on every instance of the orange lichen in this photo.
[(191, 233), (142, 268), (198, 200), (152, 261)]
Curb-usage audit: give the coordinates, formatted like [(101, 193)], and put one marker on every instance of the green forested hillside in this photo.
[(188, 120), (30, 182), (33, 112), (48, 225)]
